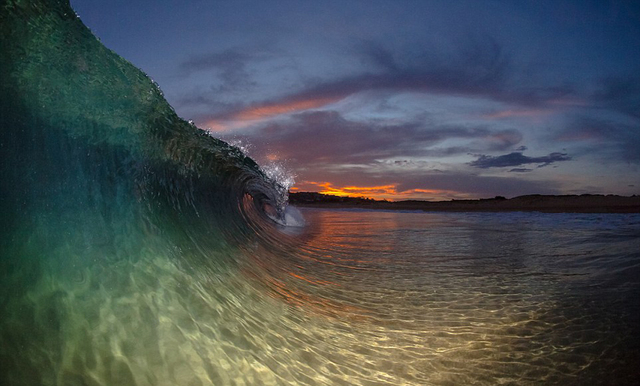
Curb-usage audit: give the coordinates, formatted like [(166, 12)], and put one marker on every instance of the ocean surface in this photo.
[(136, 249), (352, 298)]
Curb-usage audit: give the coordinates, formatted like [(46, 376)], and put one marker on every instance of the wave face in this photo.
[(105, 190), (94, 160)]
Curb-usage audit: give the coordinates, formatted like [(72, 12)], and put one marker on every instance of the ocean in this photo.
[(352, 297), (137, 249)]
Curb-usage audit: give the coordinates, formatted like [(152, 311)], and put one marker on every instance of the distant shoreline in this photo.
[(586, 203)]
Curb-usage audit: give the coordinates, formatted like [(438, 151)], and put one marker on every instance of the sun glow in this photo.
[(389, 192)]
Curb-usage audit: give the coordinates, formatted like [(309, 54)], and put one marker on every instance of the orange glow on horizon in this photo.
[(356, 191), (379, 192)]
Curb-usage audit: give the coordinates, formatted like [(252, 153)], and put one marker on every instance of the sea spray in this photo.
[(281, 180)]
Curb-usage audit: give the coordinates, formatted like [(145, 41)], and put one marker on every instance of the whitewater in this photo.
[(137, 249)]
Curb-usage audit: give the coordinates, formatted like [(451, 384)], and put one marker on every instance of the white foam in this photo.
[(293, 217)]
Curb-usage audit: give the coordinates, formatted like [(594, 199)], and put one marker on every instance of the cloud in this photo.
[(377, 191), (478, 63), (424, 184), (478, 68), (518, 113), (517, 159), (478, 185), (614, 141), (335, 154), (620, 94), (264, 111), (231, 66), (327, 138), (230, 60)]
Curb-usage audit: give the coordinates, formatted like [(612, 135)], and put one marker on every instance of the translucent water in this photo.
[(355, 298)]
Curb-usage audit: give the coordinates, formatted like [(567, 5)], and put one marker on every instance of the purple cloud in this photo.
[(517, 159), (325, 137)]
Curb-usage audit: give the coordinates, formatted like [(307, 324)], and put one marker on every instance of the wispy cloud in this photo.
[(231, 61), (518, 113), (477, 185), (614, 141), (326, 137), (261, 112), (479, 68), (233, 69), (620, 93)]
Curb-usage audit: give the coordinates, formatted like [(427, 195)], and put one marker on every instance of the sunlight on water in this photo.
[(358, 298)]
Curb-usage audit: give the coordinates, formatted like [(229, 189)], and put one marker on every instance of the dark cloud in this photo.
[(230, 65), (482, 186), (452, 181), (620, 94), (478, 68), (517, 159), (325, 137), (613, 141), (229, 61), (374, 53), (478, 62)]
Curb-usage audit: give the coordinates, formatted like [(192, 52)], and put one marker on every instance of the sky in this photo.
[(396, 100)]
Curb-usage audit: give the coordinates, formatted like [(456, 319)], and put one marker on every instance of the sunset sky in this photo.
[(402, 99)]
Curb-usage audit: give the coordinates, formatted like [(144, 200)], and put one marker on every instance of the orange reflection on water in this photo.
[(317, 304), (293, 286), (309, 271)]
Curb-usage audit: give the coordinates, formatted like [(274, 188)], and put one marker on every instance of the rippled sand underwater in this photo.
[(355, 298)]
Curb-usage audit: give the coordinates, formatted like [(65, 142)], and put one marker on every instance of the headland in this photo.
[(585, 203)]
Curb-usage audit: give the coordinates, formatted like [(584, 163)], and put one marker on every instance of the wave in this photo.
[(100, 176), (85, 132)]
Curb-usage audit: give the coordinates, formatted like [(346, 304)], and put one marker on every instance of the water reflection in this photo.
[(455, 299), (358, 298)]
